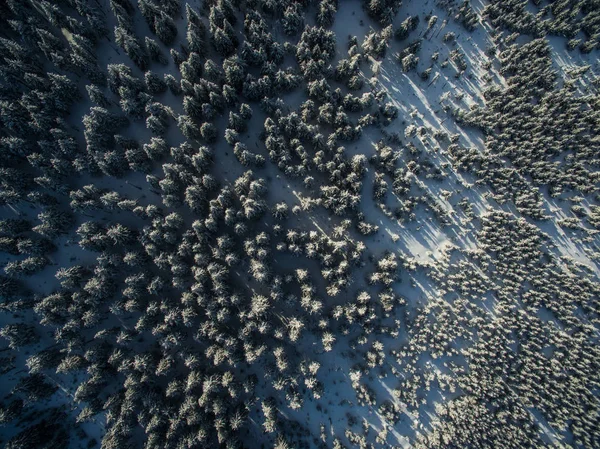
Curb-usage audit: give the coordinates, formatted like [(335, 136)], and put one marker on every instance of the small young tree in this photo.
[(19, 334)]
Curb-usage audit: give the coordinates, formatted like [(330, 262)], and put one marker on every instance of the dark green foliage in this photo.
[(326, 13), (466, 16), (19, 334), (133, 47), (406, 27), (54, 222), (97, 96), (189, 303), (383, 11), (208, 132), (155, 52), (154, 83), (315, 39), (293, 20), (165, 28), (47, 434)]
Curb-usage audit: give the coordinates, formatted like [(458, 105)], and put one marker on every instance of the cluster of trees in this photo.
[(383, 11), (294, 136), (137, 277), (507, 183), (376, 43), (186, 322), (405, 179), (408, 58), (336, 255), (314, 52), (534, 124), (515, 272), (567, 19), (17, 238), (466, 16), (291, 138)]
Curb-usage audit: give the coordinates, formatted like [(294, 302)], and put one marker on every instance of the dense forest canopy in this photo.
[(299, 223)]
